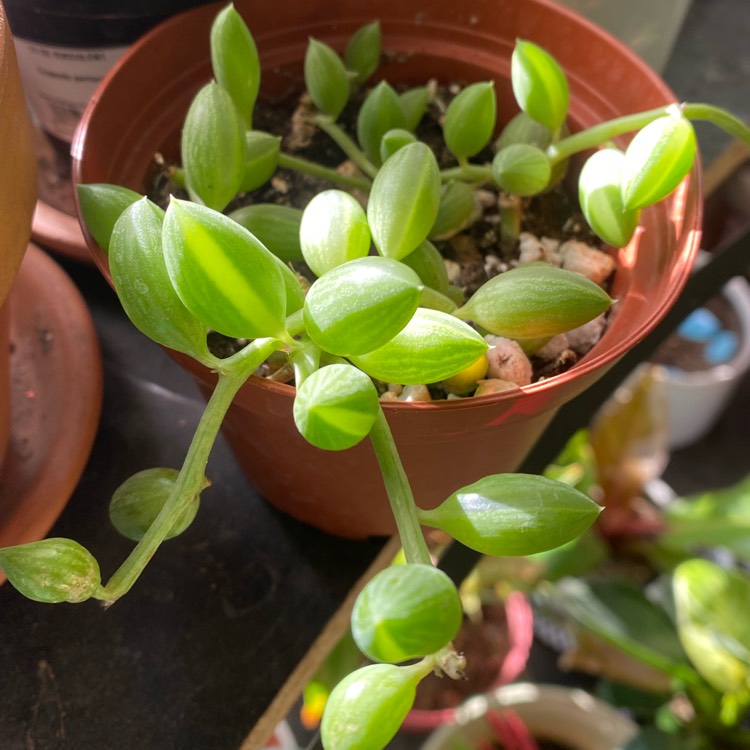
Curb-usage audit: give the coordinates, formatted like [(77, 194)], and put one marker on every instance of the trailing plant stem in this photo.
[(467, 173), (191, 480), (346, 144), (325, 173), (399, 492), (600, 134)]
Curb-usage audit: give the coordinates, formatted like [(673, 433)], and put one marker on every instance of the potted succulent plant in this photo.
[(391, 317)]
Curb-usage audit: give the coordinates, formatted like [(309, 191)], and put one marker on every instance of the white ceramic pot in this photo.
[(568, 716), (695, 400)]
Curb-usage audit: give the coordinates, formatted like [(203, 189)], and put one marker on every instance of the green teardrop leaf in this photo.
[(406, 612), (432, 347), (326, 79), (429, 265), (223, 274), (333, 230), (394, 140), (404, 200), (470, 120), (139, 273), (711, 606), (513, 514), (335, 407), (101, 206), (277, 227), (362, 53), (261, 159), (657, 160), (366, 709), (539, 85), (524, 129), (51, 571), (414, 104), (139, 499), (534, 301), (457, 208), (600, 196), (213, 147), (379, 113), (235, 61), (521, 169), (359, 306)]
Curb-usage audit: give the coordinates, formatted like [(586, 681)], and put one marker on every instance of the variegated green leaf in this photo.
[(521, 169), (379, 113), (429, 265), (432, 347), (359, 306), (101, 206), (235, 62), (213, 147), (277, 227), (335, 407), (333, 230), (326, 79), (224, 275), (470, 120), (261, 159), (404, 200), (394, 140)]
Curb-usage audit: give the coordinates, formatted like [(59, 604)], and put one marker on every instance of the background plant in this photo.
[(392, 316)]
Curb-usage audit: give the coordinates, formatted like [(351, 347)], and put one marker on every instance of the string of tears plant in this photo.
[(390, 315)]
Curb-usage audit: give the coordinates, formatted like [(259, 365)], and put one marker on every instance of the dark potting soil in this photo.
[(479, 251)]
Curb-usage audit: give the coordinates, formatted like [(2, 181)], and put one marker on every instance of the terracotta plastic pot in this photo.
[(570, 717), (139, 108), (17, 197)]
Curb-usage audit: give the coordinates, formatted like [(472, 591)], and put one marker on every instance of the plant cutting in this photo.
[(389, 317)]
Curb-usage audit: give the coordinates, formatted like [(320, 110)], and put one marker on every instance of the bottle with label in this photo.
[(64, 48)]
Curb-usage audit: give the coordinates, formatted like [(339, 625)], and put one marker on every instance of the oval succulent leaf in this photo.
[(366, 709), (406, 612), (657, 159), (235, 61), (335, 407), (326, 79), (534, 301), (277, 227), (521, 169), (101, 206), (394, 140), (710, 603), (404, 200), (139, 273), (470, 120), (380, 112), (362, 53), (457, 208), (139, 499), (333, 230), (223, 274), (600, 196), (539, 85), (52, 570), (261, 159), (514, 514), (414, 104), (359, 306), (213, 147), (432, 347), (429, 265)]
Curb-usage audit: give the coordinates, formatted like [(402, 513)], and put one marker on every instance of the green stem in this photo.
[(399, 492), (346, 144), (467, 173), (191, 479), (325, 173), (605, 131)]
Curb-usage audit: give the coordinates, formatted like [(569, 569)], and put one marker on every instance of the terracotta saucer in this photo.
[(56, 397), (59, 231)]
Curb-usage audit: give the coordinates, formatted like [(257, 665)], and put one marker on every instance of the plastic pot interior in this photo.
[(138, 111)]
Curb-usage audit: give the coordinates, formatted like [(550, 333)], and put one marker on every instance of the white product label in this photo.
[(59, 81)]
